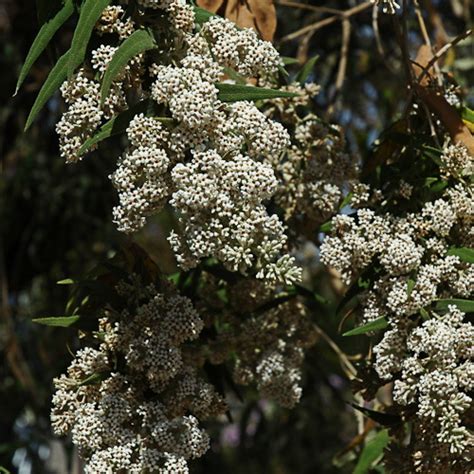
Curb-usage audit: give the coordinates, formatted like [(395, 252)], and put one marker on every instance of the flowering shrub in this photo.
[(218, 136)]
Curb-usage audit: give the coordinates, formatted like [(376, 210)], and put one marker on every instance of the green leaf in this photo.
[(326, 227), (54, 80), (4, 470), (466, 306), (201, 15), (346, 200), (58, 321), (372, 451), (410, 285), (375, 325), (235, 76), (115, 125), (90, 14), (467, 114), (424, 314), (306, 70), (94, 379), (287, 60), (136, 43), (433, 153), (464, 253), (42, 39), (66, 281), (236, 92)]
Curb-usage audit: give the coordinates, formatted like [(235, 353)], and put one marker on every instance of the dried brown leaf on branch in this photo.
[(257, 14), (437, 103)]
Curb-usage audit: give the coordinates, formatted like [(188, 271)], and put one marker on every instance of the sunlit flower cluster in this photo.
[(416, 260)]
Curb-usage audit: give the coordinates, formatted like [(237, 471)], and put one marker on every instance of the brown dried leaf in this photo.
[(265, 17), (437, 104), (257, 14), (239, 12)]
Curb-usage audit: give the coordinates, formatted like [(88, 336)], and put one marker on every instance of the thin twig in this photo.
[(326, 21), (442, 51), (341, 71), (304, 6), (349, 369), (426, 36), (378, 38)]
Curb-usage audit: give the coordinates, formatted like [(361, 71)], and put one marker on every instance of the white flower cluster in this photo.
[(141, 178), (114, 21), (400, 242), (133, 404), (314, 173), (268, 347), (83, 115), (270, 352), (180, 14), (240, 49), (437, 374), (429, 357), (457, 161), (212, 165), (211, 160), (82, 94)]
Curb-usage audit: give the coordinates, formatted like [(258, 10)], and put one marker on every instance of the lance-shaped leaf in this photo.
[(372, 451), (54, 80), (464, 253), (236, 92), (58, 321), (90, 14), (306, 70), (94, 379), (43, 38), (385, 419), (466, 306), (288, 60), (114, 126), (138, 42), (66, 281), (375, 325)]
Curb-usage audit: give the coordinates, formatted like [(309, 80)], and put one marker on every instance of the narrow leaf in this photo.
[(66, 281), (138, 42), (467, 114), (410, 285), (306, 70), (114, 126), (54, 80), (464, 253), (235, 76), (90, 14), (94, 379), (326, 227), (376, 324), (201, 15), (236, 92), (385, 419), (466, 306), (289, 60), (371, 452), (42, 40), (59, 321)]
